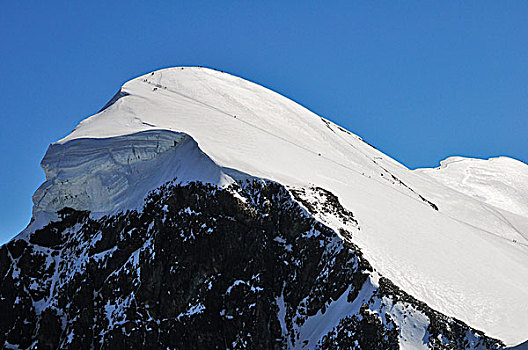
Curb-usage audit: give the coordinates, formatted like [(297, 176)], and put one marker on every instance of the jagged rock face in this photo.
[(208, 268)]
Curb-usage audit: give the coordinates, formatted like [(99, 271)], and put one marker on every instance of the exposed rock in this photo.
[(202, 267)]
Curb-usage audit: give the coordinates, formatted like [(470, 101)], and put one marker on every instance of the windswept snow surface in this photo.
[(501, 182), (468, 259)]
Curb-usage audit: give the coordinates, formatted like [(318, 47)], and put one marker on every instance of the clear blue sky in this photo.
[(420, 80)]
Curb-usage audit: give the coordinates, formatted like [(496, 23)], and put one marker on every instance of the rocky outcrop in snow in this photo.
[(201, 267)]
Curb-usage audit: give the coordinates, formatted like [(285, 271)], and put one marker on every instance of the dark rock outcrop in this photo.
[(201, 267)]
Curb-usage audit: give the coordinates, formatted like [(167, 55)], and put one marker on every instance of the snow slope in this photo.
[(501, 182), (457, 243)]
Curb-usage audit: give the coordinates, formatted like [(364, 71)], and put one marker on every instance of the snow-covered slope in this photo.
[(461, 247), (501, 182)]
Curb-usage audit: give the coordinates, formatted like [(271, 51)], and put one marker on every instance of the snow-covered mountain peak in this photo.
[(501, 182), (461, 247), (507, 163), (213, 92)]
